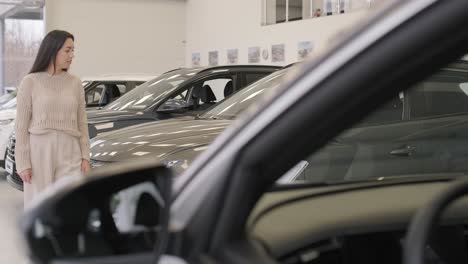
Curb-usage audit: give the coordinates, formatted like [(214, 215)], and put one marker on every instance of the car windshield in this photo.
[(143, 96), (420, 133), (235, 104), (6, 97), (10, 104)]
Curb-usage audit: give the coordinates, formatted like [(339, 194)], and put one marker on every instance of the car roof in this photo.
[(239, 66), (120, 77), (147, 77), (200, 69)]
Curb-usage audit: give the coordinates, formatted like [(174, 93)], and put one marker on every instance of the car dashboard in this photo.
[(355, 223)]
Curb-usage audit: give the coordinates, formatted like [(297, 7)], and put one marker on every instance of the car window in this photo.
[(200, 96), (10, 104), (5, 98), (180, 96), (238, 102), (93, 96), (214, 88), (445, 94), (130, 85), (146, 94), (384, 145), (253, 77), (122, 88), (390, 112)]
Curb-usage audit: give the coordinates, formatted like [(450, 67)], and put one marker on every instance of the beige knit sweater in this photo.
[(49, 102)]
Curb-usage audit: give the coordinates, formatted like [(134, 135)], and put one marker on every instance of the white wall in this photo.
[(218, 25), (122, 36)]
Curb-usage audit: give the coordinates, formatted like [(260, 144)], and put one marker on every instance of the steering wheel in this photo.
[(424, 222)]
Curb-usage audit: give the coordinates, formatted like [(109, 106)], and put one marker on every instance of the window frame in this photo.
[(286, 20), (308, 10)]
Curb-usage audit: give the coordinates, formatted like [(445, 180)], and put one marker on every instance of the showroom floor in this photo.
[(11, 205)]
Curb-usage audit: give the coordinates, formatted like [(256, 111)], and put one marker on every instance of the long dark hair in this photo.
[(50, 46)]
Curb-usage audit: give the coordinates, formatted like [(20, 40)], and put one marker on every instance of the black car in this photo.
[(225, 208), (388, 143), (181, 92), (177, 93), (168, 139)]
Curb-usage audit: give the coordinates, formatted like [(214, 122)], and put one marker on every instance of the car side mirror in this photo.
[(173, 106), (114, 213)]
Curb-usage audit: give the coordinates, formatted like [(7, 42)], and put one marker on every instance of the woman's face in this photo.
[(65, 55)]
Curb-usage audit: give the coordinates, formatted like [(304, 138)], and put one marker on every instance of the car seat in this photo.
[(228, 89), (207, 98)]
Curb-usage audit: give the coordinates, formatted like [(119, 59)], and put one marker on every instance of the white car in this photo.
[(6, 97), (103, 89), (10, 89), (9, 105), (99, 90), (7, 125)]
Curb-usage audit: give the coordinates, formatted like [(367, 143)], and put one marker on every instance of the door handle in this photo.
[(405, 151)]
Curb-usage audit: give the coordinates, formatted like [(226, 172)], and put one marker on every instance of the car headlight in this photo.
[(6, 122)]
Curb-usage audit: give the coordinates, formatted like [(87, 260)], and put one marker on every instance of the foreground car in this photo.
[(223, 209)]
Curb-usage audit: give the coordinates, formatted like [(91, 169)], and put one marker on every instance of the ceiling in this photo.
[(21, 9)]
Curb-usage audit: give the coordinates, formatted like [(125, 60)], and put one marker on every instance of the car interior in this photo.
[(203, 95), (228, 89), (354, 225), (112, 92)]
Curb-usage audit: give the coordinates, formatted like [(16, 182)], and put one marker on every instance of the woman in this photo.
[(51, 126)]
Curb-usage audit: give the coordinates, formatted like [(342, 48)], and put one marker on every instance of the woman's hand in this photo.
[(85, 166), (26, 175)]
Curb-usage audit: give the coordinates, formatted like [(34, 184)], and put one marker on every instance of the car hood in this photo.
[(8, 114), (156, 139)]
